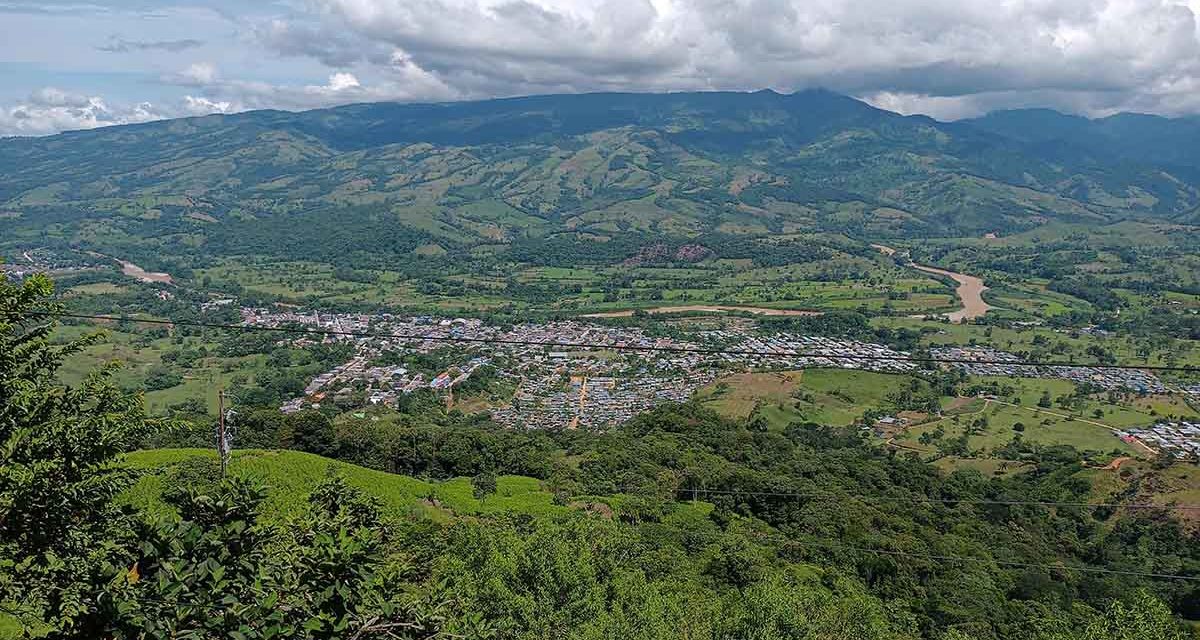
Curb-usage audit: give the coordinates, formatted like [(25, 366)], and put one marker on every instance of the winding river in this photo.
[(970, 288), (134, 271)]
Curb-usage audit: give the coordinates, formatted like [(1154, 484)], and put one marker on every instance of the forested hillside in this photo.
[(387, 179)]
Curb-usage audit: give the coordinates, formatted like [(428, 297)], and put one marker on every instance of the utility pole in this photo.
[(222, 440)]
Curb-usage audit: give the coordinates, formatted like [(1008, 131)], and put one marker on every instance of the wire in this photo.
[(615, 347), (922, 500), (1006, 563)]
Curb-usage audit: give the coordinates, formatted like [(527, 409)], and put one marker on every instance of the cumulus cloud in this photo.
[(399, 80), (51, 110), (947, 58), (959, 56), (117, 44), (197, 74), (200, 106)]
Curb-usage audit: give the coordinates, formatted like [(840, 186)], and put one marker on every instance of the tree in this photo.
[(61, 534), (73, 564), (483, 485), (1142, 616), (219, 571), (1045, 401), (161, 377), (260, 428), (312, 431), (735, 563)]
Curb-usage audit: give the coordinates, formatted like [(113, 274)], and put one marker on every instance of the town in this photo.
[(572, 374), (1175, 439), (984, 361)]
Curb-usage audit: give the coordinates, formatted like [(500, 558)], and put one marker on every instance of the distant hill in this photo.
[(389, 179), (1122, 139)]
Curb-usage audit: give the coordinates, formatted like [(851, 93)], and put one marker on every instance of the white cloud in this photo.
[(199, 73), (399, 80), (199, 105), (340, 81), (947, 58), (50, 110), (954, 55)]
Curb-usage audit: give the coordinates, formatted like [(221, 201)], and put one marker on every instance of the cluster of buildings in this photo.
[(568, 374), (573, 374), (1178, 439), (593, 402), (985, 361), (39, 261)]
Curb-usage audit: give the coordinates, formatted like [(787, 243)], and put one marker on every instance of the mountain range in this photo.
[(594, 167)]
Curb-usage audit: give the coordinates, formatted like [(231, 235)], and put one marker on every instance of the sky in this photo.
[(72, 64)]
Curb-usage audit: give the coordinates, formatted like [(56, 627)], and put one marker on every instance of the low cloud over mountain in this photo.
[(946, 59)]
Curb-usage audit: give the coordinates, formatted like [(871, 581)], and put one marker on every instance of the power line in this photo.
[(1006, 563), (615, 347), (949, 501)]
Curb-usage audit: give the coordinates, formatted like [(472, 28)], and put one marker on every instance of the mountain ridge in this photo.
[(597, 166)]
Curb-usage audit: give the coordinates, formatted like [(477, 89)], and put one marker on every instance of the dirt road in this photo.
[(1040, 410), (762, 311)]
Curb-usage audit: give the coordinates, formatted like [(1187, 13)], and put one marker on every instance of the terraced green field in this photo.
[(291, 475)]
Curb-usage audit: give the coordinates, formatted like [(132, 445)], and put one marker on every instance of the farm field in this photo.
[(824, 396), (595, 288), (140, 356), (291, 475), (1047, 427), (1044, 343), (840, 397)]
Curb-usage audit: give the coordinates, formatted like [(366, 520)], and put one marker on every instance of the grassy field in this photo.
[(827, 396), (587, 288), (1043, 426), (1044, 343), (839, 397), (95, 289), (138, 354), (1176, 484), (291, 475), (1132, 412)]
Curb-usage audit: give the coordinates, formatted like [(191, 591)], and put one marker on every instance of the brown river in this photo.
[(970, 289)]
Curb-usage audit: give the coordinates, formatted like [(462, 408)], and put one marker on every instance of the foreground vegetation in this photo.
[(679, 522)]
